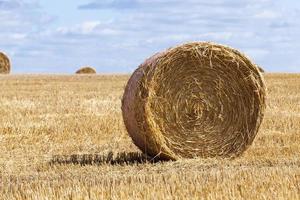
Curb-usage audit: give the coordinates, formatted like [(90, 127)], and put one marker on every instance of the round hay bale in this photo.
[(260, 69), (195, 100), (4, 64), (86, 70)]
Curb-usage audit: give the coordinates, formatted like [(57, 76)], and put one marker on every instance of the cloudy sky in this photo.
[(58, 36)]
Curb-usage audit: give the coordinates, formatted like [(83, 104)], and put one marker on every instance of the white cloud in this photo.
[(135, 29), (88, 28), (267, 14), (254, 26), (18, 36)]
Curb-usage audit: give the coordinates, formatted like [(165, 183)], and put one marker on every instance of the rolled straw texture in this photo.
[(4, 64), (199, 99)]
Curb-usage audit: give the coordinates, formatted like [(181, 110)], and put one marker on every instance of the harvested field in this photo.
[(63, 137)]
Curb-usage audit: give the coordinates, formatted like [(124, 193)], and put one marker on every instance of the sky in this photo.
[(115, 36)]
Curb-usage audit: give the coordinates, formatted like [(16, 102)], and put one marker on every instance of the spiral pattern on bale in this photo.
[(199, 99), (4, 64), (86, 70)]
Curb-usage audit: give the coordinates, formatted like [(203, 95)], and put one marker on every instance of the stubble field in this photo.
[(62, 137)]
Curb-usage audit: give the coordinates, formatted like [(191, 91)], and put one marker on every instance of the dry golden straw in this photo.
[(196, 100), (86, 70), (4, 64)]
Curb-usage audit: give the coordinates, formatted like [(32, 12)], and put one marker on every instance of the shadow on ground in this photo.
[(123, 158)]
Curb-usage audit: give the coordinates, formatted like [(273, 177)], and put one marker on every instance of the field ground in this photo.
[(62, 137)]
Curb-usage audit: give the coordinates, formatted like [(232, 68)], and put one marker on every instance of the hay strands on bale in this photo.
[(198, 99)]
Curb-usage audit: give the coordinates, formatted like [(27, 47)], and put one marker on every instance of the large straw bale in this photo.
[(199, 99)]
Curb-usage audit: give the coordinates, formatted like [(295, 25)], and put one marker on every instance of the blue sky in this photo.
[(115, 36)]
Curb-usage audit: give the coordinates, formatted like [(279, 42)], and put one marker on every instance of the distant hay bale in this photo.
[(86, 70), (260, 69), (195, 100), (4, 64)]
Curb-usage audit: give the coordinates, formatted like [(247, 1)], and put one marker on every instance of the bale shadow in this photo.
[(123, 158)]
